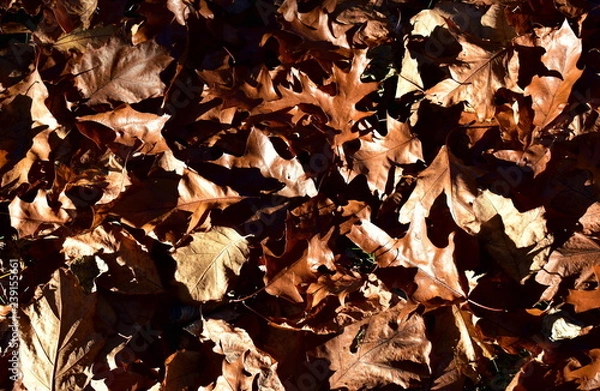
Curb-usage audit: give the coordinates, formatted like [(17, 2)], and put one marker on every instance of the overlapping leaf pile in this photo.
[(325, 195)]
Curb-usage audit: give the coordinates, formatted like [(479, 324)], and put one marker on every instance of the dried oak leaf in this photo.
[(478, 72), (577, 257), (379, 157), (261, 155), (518, 241), (550, 93), (290, 274), (456, 348), (316, 24), (245, 367), (119, 72), (446, 175), (131, 269), (210, 263), (338, 101), (585, 300), (59, 341), (141, 132), (436, 276), (390, 348)]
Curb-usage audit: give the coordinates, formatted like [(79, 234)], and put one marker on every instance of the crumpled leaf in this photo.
[(209, 264), (118, 72), (59, 340), (245, 367), (388, 348)]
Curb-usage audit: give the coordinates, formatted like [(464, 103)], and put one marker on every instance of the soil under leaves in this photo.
[(352, 195)]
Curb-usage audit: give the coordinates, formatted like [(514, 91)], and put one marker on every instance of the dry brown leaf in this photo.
[(131, 269), (446, 175), (182, 370), (550, 93), (340, 105), (59, 341), (379, 157), (81, 40), (437, 275), (390, 348), (209, 264), (576, 257), (479, 71), (38, 218), (125, 126), (71, 14), (586, 376), (245, 367), (291, 280), (261, 155), (120, 72), (585, 300)]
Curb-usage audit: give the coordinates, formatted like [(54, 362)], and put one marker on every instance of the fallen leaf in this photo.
[(261, 155), (478, 72), (586, 376), (290, 274), (550, 93), (379, 158), (390, 348), (106, 74), (585, 300), (59, 341), (128, 127), (245, 367), (131, 270), (208, 266), (38, 217)]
